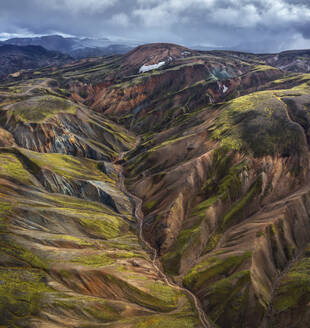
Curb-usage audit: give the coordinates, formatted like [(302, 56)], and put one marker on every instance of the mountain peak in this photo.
[(154, 53)]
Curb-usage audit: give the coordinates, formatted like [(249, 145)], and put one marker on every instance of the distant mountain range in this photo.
[(74, 46), (14, 58)]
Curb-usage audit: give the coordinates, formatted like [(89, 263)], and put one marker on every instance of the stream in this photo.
[(155, 261)]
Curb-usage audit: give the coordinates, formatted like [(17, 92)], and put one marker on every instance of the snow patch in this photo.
[(146, 68), (224, 88)]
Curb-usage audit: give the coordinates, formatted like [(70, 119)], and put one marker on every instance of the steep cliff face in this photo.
[(215, 144)]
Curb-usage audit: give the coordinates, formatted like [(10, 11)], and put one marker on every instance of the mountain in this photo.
[(293, 60), (167, 187), (113, 49), (74, 46), (49, 42), (16, 58)]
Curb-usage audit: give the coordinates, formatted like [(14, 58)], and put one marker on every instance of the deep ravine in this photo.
[(205, 322)]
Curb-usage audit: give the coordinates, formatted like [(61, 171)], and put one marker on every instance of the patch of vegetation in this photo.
[(73, 239), (223, 183), (212, 242), (74, 203), (168, 321), (298, 78), (235, 210), (263, 68), (200, 210), (127, 242), (21, 294), (94, 260), (223, 179), (5, 208), (212, 269), (168, 142), (230, 296), (10, 166), (258, 124), (150, 204), (294, 289), (93, 307), (107, 258), (102, 225), (39, 109), (21, 254), (68, 166), (185, 239), (154, 295)]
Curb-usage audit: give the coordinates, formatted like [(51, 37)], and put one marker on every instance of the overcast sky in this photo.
[(263, 25)]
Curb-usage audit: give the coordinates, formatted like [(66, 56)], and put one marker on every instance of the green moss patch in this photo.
[(21, 294), (154, 295), (159, 295), (185, 239), (10, 166), (150, 204), (103, 225), (234, 213), (169, 142), (223, 180), (39, 109), (263, 68), (200, 209), (294, 289), (297, 78), (94, 260), (168, 321), (212, 242), (223, 183), (258, 124), (67, 166), (21, 254), (93, 307), (63, 201), (229, 298), (212, 269), (5, 208)]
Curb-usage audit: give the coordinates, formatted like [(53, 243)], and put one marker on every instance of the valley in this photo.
[(166, 187)]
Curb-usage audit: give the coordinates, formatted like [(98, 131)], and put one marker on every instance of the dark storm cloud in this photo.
[(273, 24)]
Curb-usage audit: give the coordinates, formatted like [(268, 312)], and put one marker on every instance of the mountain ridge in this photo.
[(15, 58), (74, 46)]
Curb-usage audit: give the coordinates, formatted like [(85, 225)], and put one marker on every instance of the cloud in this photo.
[(77, 6), (219, 22), (120, 19), (244, 17)]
